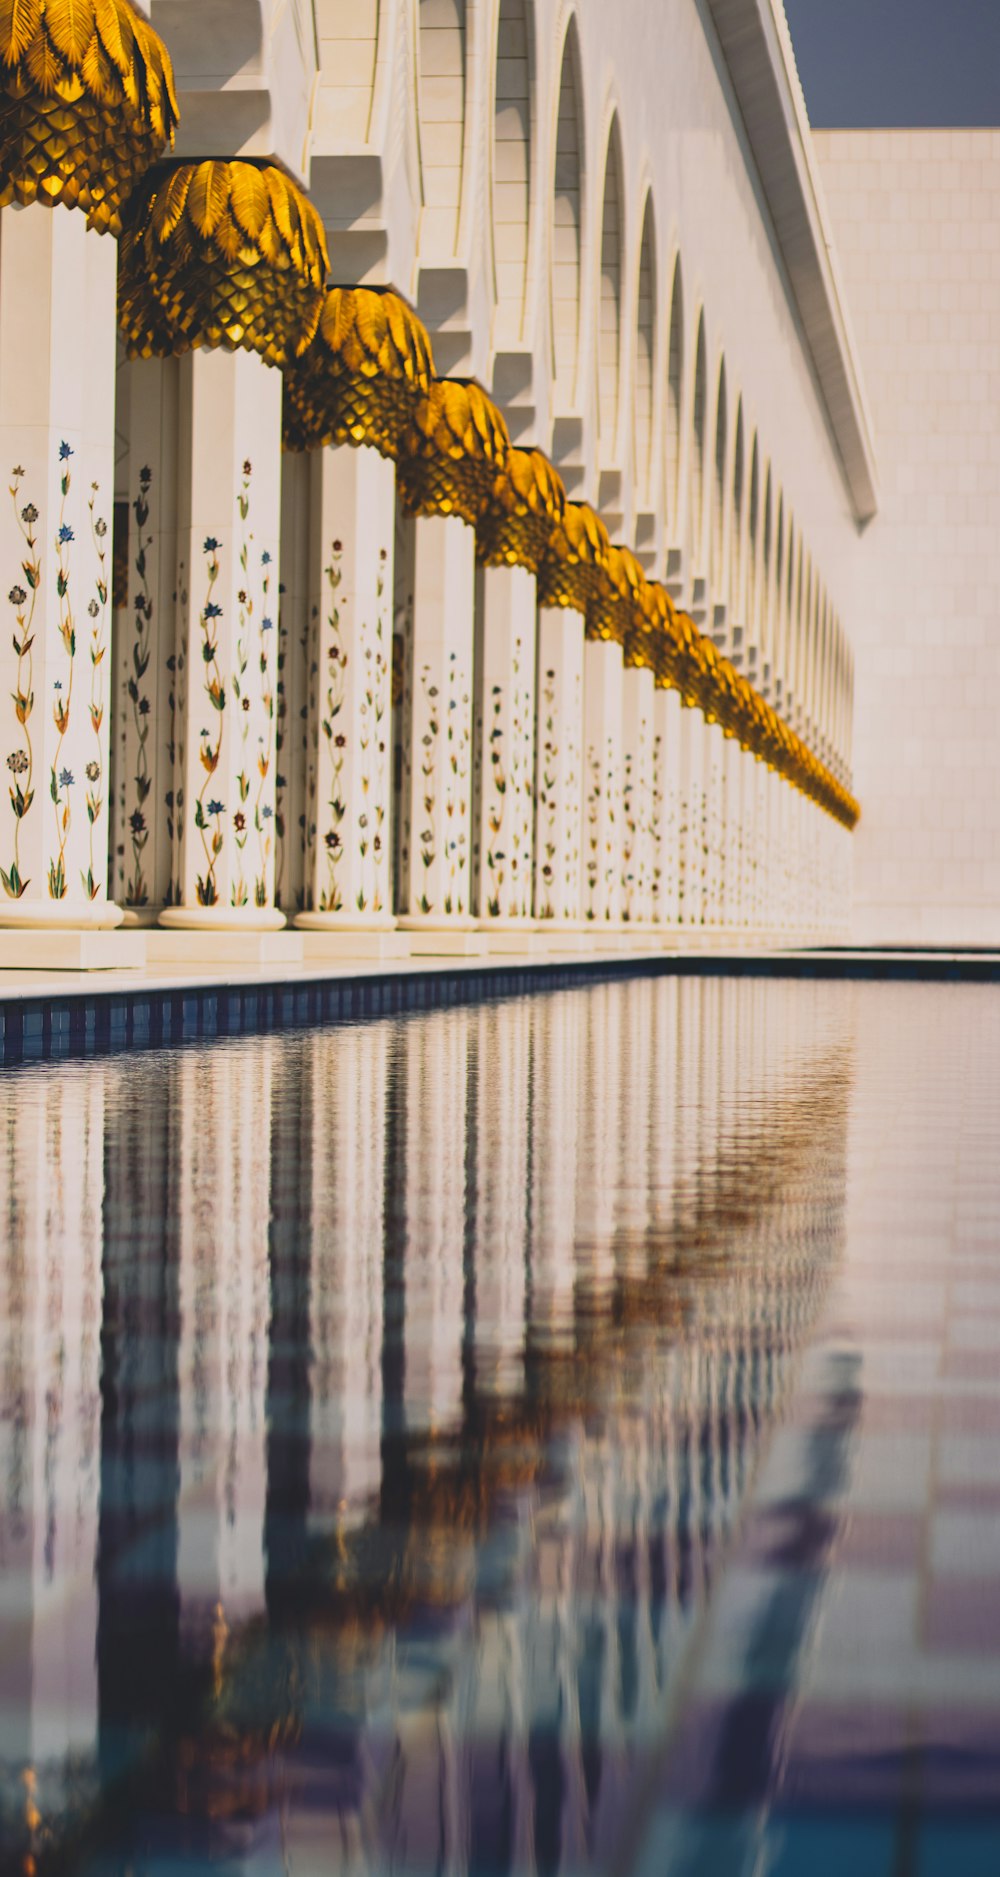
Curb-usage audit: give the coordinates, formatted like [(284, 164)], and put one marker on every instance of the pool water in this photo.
[(559, 1436)]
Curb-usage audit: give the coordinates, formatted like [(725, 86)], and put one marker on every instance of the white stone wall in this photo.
[(917, 221), (456, 147)]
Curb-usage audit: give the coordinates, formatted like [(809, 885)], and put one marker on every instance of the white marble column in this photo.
[(294, 780), (734, 837), (715, 824), (349, 843), (694, 732), (146, 651), (506, 611), (559, 764), (603, 692), (57, 409), (637, 795), (229, 494), (436, 840), (667, 713)]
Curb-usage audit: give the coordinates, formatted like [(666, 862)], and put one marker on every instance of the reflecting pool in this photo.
[(560, 1436)]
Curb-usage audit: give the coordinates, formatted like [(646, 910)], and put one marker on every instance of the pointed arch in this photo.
[(753, 521), (643, 425), (512, 138), (699, 403), (609, 344), (777, 631), (567, 222), (765, 571), (719, 480), (736, 528), (675, 394)]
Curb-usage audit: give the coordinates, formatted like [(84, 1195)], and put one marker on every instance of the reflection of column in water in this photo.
[(501, 1041), (137, 1653), (223, 1204), (555, 1120), (492, 1706), (635, 1041), (552, 1645), (690, 995), (433, 1286), (663, 1102), (599, 1096), (345, 1214), (50, 1308)]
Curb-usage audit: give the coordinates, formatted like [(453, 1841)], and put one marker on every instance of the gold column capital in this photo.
[(87, 103), (221, 254), (574, 571), (364, 375), (527, 507), (455, 453)]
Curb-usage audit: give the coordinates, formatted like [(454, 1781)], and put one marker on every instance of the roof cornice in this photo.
[(757, 48)]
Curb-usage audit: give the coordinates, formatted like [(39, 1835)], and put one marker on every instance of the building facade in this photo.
[(496, 595)]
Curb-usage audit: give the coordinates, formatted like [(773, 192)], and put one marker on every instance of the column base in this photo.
[(607, 935), (525, 936), (222, 946), (326, 938), (140, 918), (221, 918), (100, 915), (443, 938), (565, 935), (93, 950), (639, 935)]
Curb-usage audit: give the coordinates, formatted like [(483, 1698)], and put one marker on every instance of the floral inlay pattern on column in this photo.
[(371, 745), (137, 887), (20, 760), (208, 810), (429, 735), (593, 803), (630, 809), (456, 804), (97, 611), (548, 795), (61, 778), (656, 826), (571, 868), (176, 707), (335, 733)]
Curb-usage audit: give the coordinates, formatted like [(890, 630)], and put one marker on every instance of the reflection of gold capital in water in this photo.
[(86, 104), (221, 254)]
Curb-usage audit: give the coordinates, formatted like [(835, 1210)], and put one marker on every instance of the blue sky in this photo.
[(898, 62)]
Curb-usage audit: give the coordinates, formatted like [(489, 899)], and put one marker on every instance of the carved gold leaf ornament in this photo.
[(574, 571), (455, 453), (87, 103), (527, 506), (621, 608), (218, 253), (363, 376)]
